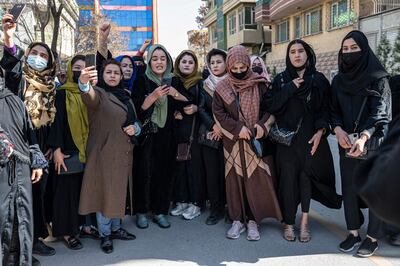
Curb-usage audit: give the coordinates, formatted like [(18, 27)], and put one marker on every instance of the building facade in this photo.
[(136, 20), (232, 22), (322, 24), (28, 26)]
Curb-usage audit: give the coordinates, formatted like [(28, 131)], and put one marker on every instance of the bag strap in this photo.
[(195, 115), (357, 122)]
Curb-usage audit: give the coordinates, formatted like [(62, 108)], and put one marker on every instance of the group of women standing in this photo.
[(161, 133)]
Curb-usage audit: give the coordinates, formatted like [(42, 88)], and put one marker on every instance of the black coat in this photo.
[(15, 182), (344, 109), (183, 128), (377, 179)]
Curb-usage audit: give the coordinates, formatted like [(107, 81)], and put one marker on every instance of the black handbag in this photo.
[(283, 136), (73, 164), (257, 145), (372, 144), (204, 140)]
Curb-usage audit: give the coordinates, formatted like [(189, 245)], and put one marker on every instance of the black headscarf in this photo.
[(290, 72), (140, 69), (119, 92), (356, 79)]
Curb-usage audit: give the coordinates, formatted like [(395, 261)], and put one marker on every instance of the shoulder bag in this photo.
[(372, 144)]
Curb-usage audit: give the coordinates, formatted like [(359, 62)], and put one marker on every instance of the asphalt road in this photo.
[(195, 243)]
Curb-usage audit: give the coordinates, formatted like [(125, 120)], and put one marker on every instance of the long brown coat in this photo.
[(246, 176), (109, 156)]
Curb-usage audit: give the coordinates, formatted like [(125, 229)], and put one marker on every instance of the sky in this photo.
[(175, 19)]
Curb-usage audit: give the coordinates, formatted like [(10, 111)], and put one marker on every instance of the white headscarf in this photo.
[(210, 84), (265, 73)]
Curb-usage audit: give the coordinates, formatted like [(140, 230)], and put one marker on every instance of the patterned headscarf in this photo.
[(246, 89), (40, 91)]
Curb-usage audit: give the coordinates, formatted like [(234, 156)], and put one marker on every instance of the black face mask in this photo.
[(351, 59), (258, 70), (76, 75), (240, 75)]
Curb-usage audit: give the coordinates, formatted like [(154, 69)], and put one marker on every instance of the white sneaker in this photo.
[(236, 229), (191, 212), (252, 231), (179, 209)]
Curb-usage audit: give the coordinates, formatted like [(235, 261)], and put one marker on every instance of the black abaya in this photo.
[(154, 159), (67, 188), (302, 176)]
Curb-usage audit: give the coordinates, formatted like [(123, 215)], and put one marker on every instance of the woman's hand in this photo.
[(259, 131), (178, 115), (144, 46), (58, 158), (160, 91), (298, 82), (358, 147), (315, 140), (89, 74), (36, 175), (104, 31), (9, 28), (217, 130), (130, 130), (190, 109), (342, 137), (49, 155), (245, 133)]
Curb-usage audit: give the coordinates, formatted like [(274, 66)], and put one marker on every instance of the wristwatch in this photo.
[(176, 95)]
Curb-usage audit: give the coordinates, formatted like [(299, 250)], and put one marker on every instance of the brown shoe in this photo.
[(305, 234), (288, 233)]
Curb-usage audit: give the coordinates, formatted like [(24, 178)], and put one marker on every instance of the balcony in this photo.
[(250, 37), (270, 10)]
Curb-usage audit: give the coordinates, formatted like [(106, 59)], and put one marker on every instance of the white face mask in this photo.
[(36, 62)]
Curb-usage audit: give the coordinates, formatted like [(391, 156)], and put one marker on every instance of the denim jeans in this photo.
[(105, 225)]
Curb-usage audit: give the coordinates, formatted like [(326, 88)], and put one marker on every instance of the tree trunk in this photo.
[(42, 34), (56, 18)]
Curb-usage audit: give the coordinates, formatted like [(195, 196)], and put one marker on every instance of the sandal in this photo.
[(305, 234), (73, 243), (288, 233), (94, 234)]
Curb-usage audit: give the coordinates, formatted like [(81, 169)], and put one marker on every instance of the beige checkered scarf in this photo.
[(246, 89)]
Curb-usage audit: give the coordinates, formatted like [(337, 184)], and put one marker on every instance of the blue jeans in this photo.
[(106, 225)]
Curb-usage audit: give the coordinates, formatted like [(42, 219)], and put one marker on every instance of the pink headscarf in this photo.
[(246, 88)]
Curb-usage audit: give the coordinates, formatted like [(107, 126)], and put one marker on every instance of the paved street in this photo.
[(195, 243)]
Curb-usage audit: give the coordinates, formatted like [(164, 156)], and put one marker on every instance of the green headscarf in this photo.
[(76, 113), (159, 115)]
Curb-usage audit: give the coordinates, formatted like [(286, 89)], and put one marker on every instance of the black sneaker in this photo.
[(106, 244), (41, 249), (367, 248), (350, 243), (122, 234)]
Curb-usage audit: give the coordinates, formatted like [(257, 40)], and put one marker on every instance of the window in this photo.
[(247, 18), (213, 34), (297, 27), (241, 19), (232, 23), (341, 14), (312, 23), (282, 31)]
